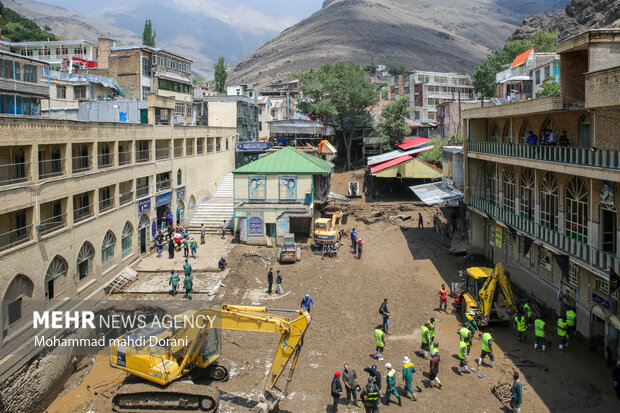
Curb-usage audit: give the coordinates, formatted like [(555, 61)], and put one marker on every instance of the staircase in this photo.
[(219, 207)]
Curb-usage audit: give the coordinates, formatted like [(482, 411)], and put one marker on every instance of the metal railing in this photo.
[(200, 148), (162, 185), (143, 191), (81, 163), (51, 167), (189, 150), (578, 249), (124, 158), (125, 197), (595, 157), (105, 160), (143, 155), (106, 204), (14, 172), (82, 213), (15, 237), (178, 151), (52, 224), (210, 147), (162, 153)]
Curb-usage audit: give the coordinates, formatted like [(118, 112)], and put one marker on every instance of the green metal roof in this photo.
[(287, 160)]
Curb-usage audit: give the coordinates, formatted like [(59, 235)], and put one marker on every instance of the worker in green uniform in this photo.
[(521, 327), (187, 268), (408, 370), (391, 385), (562, 330), (527, 310), (539, 331), (187, 284), (379, 342), (463, 355), (487, 348), (173, 282), (426, 339), (470, 322), (571, 318)]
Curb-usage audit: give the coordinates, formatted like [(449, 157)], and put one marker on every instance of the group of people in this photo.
[(564, 326), (547, 138), (174, 279), (278, 281), (175, 239), (356, 243)]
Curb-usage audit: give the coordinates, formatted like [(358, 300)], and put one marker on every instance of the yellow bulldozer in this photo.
[(191, 347), (482, 295), (327, 230)]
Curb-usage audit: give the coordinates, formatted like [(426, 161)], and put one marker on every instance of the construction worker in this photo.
[(173, 282), (379, 342), (562, 329), (487, 348), (464, 333), (408, 370), (521, 327), (539, 331), (443, 298), (391, 385), (434, 365), (469, 321), (187, 268), (431, 329), (527, 310), (370, 396), (187, 284), (426, 339), (571, 318), (463, 355), (374, 374), (354, 241)]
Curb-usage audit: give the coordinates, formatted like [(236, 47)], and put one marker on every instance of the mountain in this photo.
[(578, 16), (439, 35)]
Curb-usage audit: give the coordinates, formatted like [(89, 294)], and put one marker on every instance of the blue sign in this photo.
[(144, 206), (601, 301), (181, 192), (253, 146), (153, 228), (255, 227), (163, 198)]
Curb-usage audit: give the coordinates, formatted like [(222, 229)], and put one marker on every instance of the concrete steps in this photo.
[(216, 209)]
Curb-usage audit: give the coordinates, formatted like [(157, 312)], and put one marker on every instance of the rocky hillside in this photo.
[(440, 35), (578, 16)]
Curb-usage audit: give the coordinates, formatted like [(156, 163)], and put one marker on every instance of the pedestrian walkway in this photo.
[(219, 207)]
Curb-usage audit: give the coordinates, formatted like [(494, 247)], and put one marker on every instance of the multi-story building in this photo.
[(58, 51), (232, 111), (81, 201), (20, 90), (523, 75), (549, 212), (549, 67), (426, 90)]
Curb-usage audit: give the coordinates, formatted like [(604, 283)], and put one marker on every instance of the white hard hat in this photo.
[(406, 360), (388, 365)]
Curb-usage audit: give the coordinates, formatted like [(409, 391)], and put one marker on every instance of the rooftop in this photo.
[(15, 55), (520, 59), (287, 160), (152, 49), (52, 43)]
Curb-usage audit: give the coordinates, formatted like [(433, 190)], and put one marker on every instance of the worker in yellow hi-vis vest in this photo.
[(539, 332)]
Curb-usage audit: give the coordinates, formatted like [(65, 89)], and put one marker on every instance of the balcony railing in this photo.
[(106, 204), (52, 224), (143, 155), (210, 147), (82, 213), (189, 150), (124, 158), (81, 163), (15, 237), (125, 198), (596, 158), (13, 173), (163, 153), (584, 252), (143, 191), (51, 167), (163, 185), (105, 160), (178, 151), (200, 148)]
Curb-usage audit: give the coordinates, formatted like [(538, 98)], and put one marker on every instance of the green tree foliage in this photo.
[(148, 35), (395, 68), (497, 60), (435, 156), (20, 29), (341, 93), (549, 88), (220, 75), (393, 125), (371, 68)]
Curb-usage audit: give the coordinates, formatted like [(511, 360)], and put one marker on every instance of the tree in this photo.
[(394, 68), (549, 88), (220, 75), (148, 35), (341, 93), (20, 29), (393, 126)]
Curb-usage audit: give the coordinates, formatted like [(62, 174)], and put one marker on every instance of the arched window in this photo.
[(126, 239), (507, 133), (549, 193), (85, 261), (584, 131), (525, 130), (494, 134), (192, 203), (576, 196), (107, 250), (547, 124), (55, 277), (494, 180), (509, 187), (180, 212), (526, 195), (13, 304), (144, 233), (179, 177)]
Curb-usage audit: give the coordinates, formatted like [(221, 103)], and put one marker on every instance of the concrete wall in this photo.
[(223, 114), (304, 185)]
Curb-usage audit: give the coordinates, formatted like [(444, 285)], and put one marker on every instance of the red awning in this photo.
[(413, 141), (391, 162)]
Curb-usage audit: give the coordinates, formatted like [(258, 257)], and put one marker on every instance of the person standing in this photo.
[(463, 355), (571, 319), (562, 328), (354, 241), (521, 327), (169, 218), (420, 221), (487, 348), (187, 268), (426, 339), (408, 370), (187, 284), (185, 247), (173, 281), (431, 330), (374, 374), (527, 310), (171, 249), (443, 298), (336, 390), (203, 232), (469, 319), (385, 314), (349, 378), (434, 365), (379, 342), (269, 280), (464, 333), (516, 393), (563, 139), (360, 245), (307, 303), (531, 138), (391, 385), (370, 396), (615, 377), (539, 331), (279, 282), (193, 246), (223, 228), (158, 246)]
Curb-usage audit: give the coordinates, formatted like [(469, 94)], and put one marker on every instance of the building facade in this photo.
[(525, 75), (236, 111), (20, 90), (549, 212), (56, 52)]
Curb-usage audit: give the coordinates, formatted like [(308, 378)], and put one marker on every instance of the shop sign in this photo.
[(163, 199), (144, 206), (253, 146), (568, 295), (180, 193), (255, 227), (601, 301), (153, 227), (498, 235)]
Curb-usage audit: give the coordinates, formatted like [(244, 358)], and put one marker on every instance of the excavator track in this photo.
[(178, 397)]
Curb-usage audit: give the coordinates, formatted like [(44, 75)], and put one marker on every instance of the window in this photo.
[(507, 240), (192, 203), (526, 195), (61, 92), (107, 250), (602, 285), (179, 177), (106, 200), (146, 66), (545, 258), (27, 52), (577, 210), (54, 276), (548, 124), (507, 132), (547, 71), (549, 193), (19, 289), (29, 73), (7, 69), (79, 51), (85, 261), (525, 130), (584, 132), (494, 134), (509, 188), (145, 90), (608, 220), (126, 239), (200, 146), (62, 52), (573, 275), (79, 92), (494, 180), (538, 77), (257, 186)]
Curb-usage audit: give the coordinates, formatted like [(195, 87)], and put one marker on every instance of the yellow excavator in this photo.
[(481, 295), (191, 347)]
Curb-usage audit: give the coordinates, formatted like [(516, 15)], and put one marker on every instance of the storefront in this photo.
[(163, 205), (604, 331), (180, 212)]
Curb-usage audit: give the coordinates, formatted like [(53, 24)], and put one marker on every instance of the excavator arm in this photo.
[(488, 292)]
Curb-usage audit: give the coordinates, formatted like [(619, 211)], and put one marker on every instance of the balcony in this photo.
[(82, 213), (26, 88), (582, 251), (13, 173), (124, 158), (163, 185), (125, 198), (599, 158), (143, 155), (105, 160), (106, 204), (15, 237), (162, 153), (178, 151), (49, 168), (52, 224), (142, 191), (81, 163)]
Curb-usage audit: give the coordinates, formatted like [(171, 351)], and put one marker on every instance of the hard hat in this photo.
[(388, 365), (307, 295), (406, 360)]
